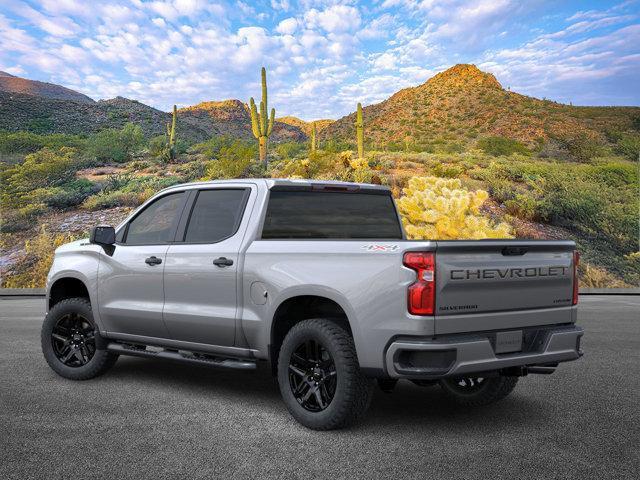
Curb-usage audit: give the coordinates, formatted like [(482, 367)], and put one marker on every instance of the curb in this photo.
[(22, 292)]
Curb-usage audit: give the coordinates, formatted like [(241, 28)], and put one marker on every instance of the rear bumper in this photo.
[(456, 355)]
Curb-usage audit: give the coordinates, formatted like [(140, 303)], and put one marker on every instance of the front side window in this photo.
[(216, 215), (155, 223)]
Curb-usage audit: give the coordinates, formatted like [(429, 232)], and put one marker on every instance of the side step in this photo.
[(180, 356)]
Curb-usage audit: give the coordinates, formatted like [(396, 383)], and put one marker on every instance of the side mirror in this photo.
[(103, 235)]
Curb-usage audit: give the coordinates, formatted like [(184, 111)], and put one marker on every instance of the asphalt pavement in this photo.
[(157, 419)]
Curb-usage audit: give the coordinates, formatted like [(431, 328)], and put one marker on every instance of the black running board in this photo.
[(181, 356)]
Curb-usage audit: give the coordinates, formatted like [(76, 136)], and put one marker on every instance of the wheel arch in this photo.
[(298, 308), (66, 287)]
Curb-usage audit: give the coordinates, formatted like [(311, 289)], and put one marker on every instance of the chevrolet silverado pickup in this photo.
[(317, 280)]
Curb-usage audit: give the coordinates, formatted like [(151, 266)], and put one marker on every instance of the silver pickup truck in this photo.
[(317, 279)]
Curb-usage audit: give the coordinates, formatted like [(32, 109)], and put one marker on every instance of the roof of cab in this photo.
[(284, 182)]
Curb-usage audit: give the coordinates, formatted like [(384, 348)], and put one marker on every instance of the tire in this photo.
[(324, 352), (477, 392), (71, 343)]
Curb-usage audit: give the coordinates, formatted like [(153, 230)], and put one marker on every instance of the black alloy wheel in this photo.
[(73, 340), (312, 376)]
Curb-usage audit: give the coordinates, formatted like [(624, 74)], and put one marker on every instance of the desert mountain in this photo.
[(232, 117), (47, 108), (463, 103), (12, 84), (305, 126)]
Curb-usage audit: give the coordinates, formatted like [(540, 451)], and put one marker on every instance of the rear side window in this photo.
[(216, 215), (307, 214), (155, 223)]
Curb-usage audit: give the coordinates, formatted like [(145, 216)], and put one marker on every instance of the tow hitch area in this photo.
[(546, 369)]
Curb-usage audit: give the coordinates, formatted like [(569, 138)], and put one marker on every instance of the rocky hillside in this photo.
[(232, 118), (464, 103), (305, 126), (12, 84), (46, 108), (20, 111)]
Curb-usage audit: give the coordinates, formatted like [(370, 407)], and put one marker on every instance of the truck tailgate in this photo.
[(502, 284)]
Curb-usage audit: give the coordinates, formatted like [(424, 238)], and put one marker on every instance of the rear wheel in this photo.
[(70, 342), (319, 376), (478, 391)]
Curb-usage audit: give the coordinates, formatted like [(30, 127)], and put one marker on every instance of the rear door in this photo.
[(201, 271), (489, 285)]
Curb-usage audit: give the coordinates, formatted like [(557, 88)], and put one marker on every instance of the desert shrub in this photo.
[(116, 145), (43, 169), (213, 147), (189, 172), (23, 218), (28, 142), (523, 206), (629, 146), (39, 256), (40, 125), (594, 277), (157, 145), (597, 200), (498, 146), (289, 150), (115, 199), (436, 208), (68, 195), (232, 160), (319, 164), (581, 146), (447, 170)]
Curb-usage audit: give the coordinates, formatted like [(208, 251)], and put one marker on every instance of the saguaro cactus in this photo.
[(360, 132), (171, 136), (314, 137), (260, 124)]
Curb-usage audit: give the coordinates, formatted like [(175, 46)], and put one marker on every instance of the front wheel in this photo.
[(320, 378), (69, 341), (478, 391)]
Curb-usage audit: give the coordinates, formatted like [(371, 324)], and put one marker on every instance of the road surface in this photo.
[(156, 419)]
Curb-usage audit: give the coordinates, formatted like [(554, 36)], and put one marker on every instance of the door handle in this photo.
[(223, 262), (153, 261)]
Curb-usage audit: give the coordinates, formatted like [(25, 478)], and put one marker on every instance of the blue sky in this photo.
[(322, 56)]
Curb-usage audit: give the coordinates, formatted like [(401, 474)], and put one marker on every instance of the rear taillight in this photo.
[(576, 261), (421, 294)]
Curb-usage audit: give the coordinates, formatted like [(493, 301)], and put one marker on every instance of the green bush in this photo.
[(232, 160), (157, 145), (629, 146), (43, 169), (581, 146), (16, 220), (447, 171), (116, 145), (498, 146), (289, 150), (28, 142), (113, 199)]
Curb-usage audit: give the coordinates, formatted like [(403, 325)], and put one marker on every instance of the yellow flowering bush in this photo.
[(441, 209)]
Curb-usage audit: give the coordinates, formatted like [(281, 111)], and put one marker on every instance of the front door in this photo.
[(201, 270), (130, 283)]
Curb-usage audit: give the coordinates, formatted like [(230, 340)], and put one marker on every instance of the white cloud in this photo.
[(335, 19), (287, 26), (280, 5), (56, 26)]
